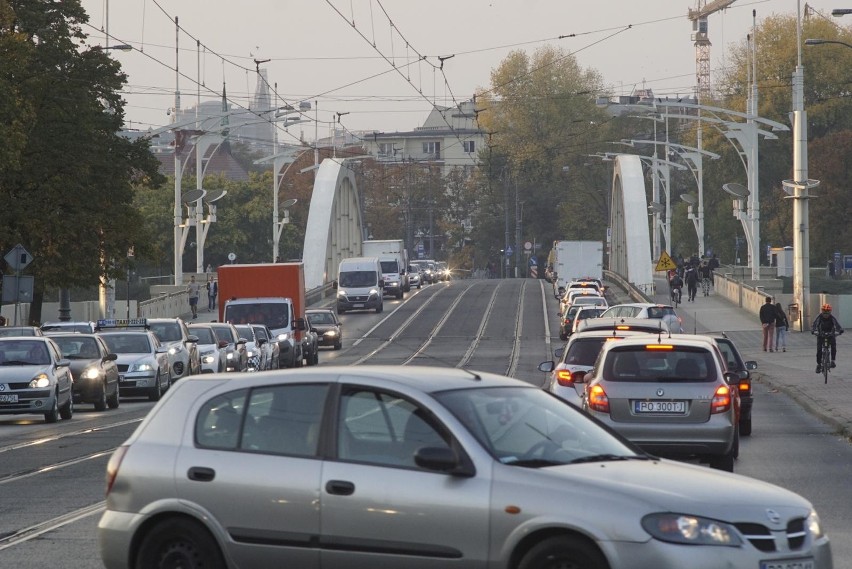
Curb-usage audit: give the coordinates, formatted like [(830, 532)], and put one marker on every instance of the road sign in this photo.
[(533, 261), (509, 251), (232, 256), (665, 263), (18, 258), (527, 246), (17, 289)]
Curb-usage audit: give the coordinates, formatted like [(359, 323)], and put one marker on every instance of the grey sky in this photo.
[(316, 54)]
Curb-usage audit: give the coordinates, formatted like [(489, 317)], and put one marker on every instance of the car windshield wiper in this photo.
[(608, 458)]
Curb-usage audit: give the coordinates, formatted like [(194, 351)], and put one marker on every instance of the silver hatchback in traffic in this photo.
[(389, 467)]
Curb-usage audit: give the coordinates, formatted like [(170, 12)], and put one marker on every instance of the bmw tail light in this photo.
[(598, 401), (563, 378), (113, 465), (721, 400)]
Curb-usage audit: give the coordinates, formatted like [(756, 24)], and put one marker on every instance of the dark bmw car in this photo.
[(94, 369), (325, 323)]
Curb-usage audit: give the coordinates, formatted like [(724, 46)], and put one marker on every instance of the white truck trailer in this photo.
[(574, 260), (394, 260)]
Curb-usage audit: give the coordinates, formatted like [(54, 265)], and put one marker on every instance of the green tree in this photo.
[(67, 183)]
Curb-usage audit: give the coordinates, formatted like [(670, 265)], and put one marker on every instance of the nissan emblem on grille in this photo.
[(773, 516)]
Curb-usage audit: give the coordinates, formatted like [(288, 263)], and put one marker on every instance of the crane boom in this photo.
[(702, 42), (707, 9)]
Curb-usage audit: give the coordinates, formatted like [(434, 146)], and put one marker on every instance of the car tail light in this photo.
[(113, 465), (563, 377), (745, 386), (721, 400), (598, 401)]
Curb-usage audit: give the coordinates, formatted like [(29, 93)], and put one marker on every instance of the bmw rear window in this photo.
[(660, 363)]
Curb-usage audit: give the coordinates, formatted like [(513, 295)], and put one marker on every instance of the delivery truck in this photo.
[(574, 260), (271, 294), (394, 259)]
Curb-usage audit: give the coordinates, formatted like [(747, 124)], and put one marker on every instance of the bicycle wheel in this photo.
[(826, 359)]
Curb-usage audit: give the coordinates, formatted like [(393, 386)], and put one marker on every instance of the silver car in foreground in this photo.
[(35, 378), (416, 467)]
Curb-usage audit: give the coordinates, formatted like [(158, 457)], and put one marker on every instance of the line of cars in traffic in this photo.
[(677, 395), (47, 370)]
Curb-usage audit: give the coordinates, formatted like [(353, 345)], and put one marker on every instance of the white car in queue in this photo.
[(578, 356), (213, 352), (143, 362)]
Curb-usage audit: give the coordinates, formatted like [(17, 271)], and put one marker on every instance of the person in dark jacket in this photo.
[(691, 280), (767, 320), (782, 325), (826, 325)]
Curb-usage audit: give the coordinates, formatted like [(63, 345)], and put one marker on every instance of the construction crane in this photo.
[(702, 43)]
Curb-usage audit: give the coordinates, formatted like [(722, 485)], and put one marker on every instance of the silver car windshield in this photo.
[(528, 427), (661, 365)]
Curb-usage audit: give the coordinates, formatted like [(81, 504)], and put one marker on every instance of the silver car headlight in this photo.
[(141, 367), (91, 373), (814, 526), (230, 355), (283, 337), (690, 530), (175, 350), (249, 353), (41, 380), (208, 359)]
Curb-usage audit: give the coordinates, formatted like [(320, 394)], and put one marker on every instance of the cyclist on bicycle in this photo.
[(675, 286), (824, 326)]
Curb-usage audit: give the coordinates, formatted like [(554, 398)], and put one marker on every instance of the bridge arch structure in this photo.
[(630, 255), (334, 228)]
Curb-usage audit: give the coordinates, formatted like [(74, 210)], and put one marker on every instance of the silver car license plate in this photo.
[(358, 305), (801, 563), (673, 407), (8, 397)]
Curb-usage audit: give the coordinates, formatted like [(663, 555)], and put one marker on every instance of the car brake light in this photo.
[(721, 400), (563, 377), (598, 401), (666, 347), (745, 386), (113, 465)]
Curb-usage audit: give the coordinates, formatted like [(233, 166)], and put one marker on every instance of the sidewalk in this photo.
[(791, 372)]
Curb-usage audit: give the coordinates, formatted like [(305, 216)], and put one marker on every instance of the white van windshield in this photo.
[(358, 278)]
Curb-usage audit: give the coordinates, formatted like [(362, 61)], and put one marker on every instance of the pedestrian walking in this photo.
[(691, 280), (212, 291), (782, 325), (767, 320), (193, 290)]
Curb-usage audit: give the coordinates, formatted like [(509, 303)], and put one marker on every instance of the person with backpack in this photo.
[(782, 325)]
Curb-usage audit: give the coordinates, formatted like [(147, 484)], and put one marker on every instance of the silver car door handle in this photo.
[(201, 474), (340, 487)]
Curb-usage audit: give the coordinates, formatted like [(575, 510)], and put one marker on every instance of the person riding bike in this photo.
[(675, 284), (826, 325)]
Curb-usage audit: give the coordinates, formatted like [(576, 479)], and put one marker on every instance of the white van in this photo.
[(359, 284)]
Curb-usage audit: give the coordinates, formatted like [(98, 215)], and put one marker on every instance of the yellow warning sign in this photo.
[(665, 263)]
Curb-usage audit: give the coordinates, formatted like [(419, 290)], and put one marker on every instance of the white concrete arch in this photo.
[(631, 241), (334, 224)]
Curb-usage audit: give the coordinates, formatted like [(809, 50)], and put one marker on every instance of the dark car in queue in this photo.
[(325, 323), (35, 379), (94, 369), (407, 466)]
